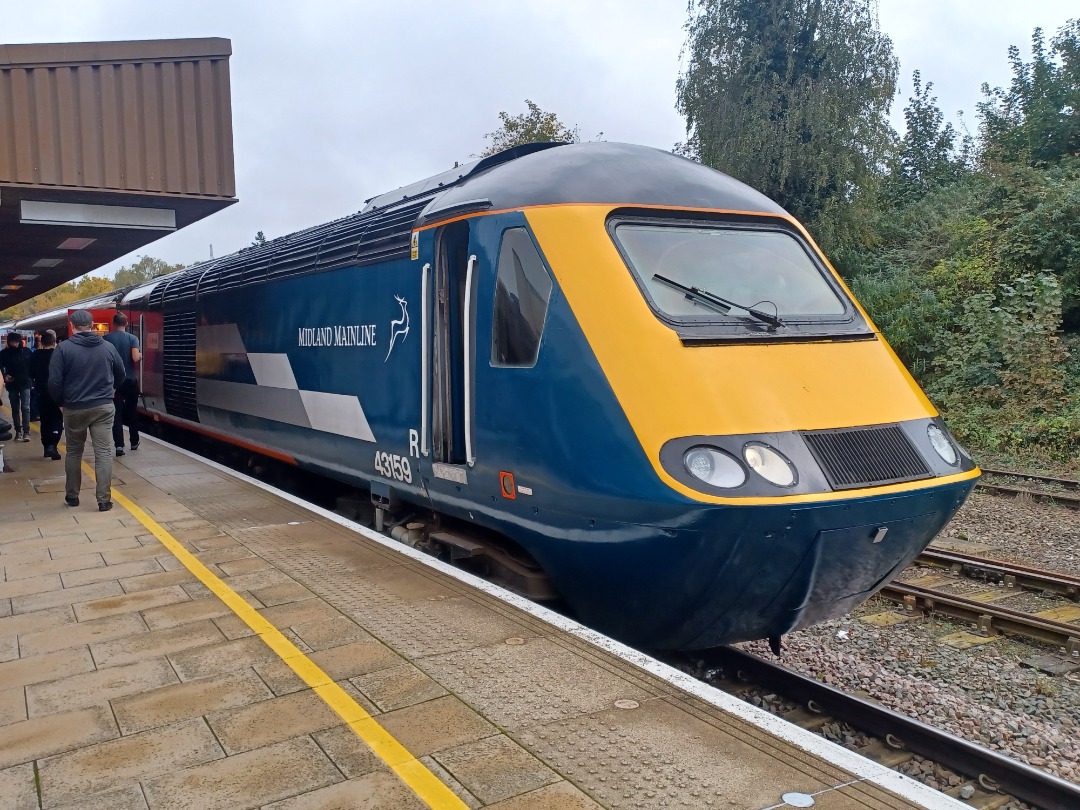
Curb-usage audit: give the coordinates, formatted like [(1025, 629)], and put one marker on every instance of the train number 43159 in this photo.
[(393, 466)]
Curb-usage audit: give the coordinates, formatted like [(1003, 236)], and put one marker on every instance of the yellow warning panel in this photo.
[(963, 640), (1065, 613), (886, 619)]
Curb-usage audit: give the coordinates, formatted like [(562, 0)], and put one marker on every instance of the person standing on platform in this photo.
[(15, 366), (52, 420), (84, 374), (127, 398)]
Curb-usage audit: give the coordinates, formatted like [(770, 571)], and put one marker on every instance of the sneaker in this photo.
[(53, 453), (25, 436), (119, 452), (134, 446), (71, 501), (104, 507)]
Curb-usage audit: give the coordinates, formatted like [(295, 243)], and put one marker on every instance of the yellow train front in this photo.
[(718, 443)]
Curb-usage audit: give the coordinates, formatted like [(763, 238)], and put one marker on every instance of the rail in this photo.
[(1009, 574), (989, 618)]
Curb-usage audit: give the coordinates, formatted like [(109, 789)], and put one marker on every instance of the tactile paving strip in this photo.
[(412, 613), (520, 685)]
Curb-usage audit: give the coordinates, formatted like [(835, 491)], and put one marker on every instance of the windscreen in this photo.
[(765, 269)]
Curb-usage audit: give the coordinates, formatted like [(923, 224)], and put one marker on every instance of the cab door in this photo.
[(452, 351)]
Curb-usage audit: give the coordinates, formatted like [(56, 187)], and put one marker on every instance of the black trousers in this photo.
[(127, 403), (52, 420)]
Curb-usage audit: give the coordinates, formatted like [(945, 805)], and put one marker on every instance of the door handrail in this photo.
[(425, 358), (470, 459)]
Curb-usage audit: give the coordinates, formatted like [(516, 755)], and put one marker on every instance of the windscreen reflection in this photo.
[(765, 269)]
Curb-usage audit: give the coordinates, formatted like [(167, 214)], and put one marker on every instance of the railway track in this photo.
[(995, 778), (1008, 574), (990, 618), (1061, 491)]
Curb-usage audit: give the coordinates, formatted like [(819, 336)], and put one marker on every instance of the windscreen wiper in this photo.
[(721, 305)]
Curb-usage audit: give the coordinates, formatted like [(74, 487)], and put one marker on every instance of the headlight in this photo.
[(770, 464), (942, 445), (714, 467)]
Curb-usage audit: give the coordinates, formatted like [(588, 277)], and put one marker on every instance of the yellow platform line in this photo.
[(428, 787)]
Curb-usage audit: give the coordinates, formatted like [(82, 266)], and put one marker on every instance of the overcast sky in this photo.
[(334, 102)]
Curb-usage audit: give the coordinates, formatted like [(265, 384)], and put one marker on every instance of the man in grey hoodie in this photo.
[(83, 376)]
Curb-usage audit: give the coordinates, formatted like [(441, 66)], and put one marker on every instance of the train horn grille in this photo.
[(859, 457)]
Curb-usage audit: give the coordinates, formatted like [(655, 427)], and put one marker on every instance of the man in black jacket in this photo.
[(52, 420), (15, 366), (84, 374)]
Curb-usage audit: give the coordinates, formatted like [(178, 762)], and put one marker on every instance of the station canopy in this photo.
[(104, 148)]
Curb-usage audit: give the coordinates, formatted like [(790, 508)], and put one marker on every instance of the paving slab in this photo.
[(157, 580), (118, 571), (89, 632), (30, 585), (183, 701), (126, 760), (125, 798), (48, 565), (251, 779), (37, 620), (270, 721), (12, 706), (217, 659), (562, 795), (398, 687), (373, 791), (52, 733), (154, 643), (115, 604), (496, 768), (65, 596), (99, 686), (47, 667), (18, 789)]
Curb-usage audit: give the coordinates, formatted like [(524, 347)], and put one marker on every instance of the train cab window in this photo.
[(522, 291), (766, 268)]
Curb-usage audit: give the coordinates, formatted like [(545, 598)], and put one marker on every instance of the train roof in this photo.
[(598, 172), (523, 176), (58, 315)]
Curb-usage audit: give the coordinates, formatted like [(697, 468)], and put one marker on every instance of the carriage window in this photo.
[(522, 290)]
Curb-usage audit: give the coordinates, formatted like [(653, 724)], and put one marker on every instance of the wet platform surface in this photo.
[(349, 676)]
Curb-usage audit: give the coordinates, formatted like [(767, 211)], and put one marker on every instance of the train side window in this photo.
[(522, 291)]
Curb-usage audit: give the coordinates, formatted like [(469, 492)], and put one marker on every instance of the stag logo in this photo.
[(399, 327)]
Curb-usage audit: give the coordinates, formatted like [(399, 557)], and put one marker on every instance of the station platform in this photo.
[(213, 643)]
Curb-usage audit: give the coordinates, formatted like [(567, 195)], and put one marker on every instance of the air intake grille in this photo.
[(859, 457), (179, 350)]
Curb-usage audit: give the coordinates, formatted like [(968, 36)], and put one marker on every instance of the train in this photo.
[(601, 373)]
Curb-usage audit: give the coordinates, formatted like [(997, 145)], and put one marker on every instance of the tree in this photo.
[(1037, 120), (927, 156), (535, 126), (791, 97), (142, 270), (260, 239)]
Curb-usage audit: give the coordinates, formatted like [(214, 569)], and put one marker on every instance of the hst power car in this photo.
[(602, 371)]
